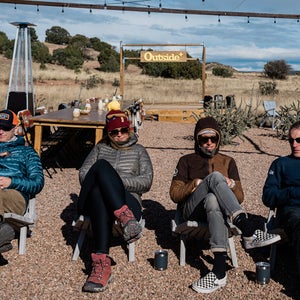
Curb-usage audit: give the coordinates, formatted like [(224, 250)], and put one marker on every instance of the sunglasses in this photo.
[(204, 139), (291, 140), (115, 132), (5, 129)]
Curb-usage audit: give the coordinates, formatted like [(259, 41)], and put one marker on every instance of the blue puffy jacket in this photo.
[(23, 165)]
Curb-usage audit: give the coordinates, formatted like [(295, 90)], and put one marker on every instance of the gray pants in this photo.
[(215, 203)]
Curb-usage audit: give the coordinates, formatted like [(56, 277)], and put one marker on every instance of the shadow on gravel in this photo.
[(157, 218)]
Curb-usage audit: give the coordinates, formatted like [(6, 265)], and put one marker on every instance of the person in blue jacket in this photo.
[(282, 190), (21, 174)]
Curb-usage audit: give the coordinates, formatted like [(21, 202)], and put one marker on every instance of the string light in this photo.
[(186, 18), (148, 10), (37, 8), (297, 19), (274, 20), (15, 6), (248, 20), (105, 5), (219, 20), (160, 6), (62, 10)]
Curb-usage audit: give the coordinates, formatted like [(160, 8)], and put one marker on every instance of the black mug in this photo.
[(160, 260), (262, 272)]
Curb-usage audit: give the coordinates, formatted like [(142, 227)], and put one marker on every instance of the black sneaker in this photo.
[(7, 234), (260, 239)]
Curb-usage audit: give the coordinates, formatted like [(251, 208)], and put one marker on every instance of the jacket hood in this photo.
[(209, 124)]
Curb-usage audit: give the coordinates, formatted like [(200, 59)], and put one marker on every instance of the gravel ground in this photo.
[(47, 271)]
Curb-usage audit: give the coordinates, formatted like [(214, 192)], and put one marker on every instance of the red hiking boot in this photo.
[(132, 229), (101, 274)]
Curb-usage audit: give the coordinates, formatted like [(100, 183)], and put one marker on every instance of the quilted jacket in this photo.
[(23, 165), (132, 163)]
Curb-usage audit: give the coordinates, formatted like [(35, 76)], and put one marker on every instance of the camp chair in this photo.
[(270, 114), (199, 230), (83, 224), (22, 224)]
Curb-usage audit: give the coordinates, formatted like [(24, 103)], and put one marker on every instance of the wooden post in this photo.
[(203, 72), (121, 73)]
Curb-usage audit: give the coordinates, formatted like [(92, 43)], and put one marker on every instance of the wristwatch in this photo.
[(232, 184)]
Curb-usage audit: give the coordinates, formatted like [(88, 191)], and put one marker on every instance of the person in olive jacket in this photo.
[(207, 187), (21, 174), (113, 178)]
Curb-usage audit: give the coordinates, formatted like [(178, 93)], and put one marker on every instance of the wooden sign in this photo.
[(163, 56)]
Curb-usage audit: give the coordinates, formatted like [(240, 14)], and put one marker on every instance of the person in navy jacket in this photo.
[(282, 190)]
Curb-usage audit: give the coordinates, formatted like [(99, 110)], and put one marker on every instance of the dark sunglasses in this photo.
[(204, 139), (5, 128), (123, 130), (291, 140)]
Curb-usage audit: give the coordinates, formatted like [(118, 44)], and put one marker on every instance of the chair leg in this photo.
[(182, 250), (273, 253), (232, 252), (22, 240), (80, 241), (131, 252)]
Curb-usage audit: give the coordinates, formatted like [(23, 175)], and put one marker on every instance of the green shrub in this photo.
[(277, 69), (288, 114), (223, 72), (116, 82), (268, 88), (233, 121)]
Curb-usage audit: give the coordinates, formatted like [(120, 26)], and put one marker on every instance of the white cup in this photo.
[(76, 112)]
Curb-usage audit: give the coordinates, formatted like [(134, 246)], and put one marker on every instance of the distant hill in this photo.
[(210, 65)]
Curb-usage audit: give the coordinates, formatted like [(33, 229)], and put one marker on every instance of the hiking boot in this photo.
[(209, 283), (7, 234), (132, 229), (101, 274), (260, 239)]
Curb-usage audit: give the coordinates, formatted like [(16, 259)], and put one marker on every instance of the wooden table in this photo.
[(64, 118)]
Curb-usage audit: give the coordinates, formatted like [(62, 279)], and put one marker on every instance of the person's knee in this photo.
[(211, 203), (216, 177)]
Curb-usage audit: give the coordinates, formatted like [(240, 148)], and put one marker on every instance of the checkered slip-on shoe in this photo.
[(260, 239), (209, 283)]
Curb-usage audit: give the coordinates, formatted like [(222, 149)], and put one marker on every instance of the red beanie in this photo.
[(116, 119)]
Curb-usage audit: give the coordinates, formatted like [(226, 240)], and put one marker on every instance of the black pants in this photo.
[(102, 193)]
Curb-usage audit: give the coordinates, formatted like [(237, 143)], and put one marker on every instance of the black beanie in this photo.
[(207, 123)]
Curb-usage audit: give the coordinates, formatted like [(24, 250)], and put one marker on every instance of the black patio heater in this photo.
[(20, 94)]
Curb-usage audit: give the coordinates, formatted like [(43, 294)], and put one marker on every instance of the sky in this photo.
[(232, 41)]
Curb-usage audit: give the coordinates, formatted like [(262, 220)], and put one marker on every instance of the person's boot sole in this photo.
[(6, 247)]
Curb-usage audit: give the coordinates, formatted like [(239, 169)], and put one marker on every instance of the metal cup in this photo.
[(160, 260), (262, 272)]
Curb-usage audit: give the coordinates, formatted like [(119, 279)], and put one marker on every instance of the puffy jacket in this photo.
[(282, 186), (23, 165), (132, 163)]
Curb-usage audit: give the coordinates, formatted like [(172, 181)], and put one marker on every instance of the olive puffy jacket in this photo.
[(131, 162), (23, 165)]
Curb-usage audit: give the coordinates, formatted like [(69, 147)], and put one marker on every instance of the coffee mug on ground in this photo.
[(160, 260), (262, 272)]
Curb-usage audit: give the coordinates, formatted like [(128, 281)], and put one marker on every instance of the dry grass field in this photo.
[(58, 85)]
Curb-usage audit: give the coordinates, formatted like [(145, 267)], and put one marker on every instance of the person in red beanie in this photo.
[(113, 178)]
